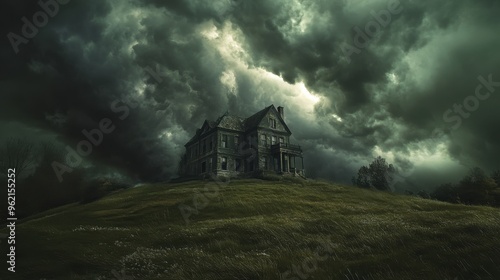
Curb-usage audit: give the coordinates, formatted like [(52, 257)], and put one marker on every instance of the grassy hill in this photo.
[(253, 229)]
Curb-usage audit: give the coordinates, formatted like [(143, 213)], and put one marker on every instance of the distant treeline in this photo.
[(476, 188)]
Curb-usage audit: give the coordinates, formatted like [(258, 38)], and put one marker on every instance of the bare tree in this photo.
[(17, 154)]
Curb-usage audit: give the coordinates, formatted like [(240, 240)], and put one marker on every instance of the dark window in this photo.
[(211, 144), (224, 163), (282, 140), (264, 160), (204, 146), (263, 140), (204, 167), (236, 141), (273, 140)]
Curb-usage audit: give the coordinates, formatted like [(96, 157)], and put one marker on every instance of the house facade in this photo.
[(233, 146)]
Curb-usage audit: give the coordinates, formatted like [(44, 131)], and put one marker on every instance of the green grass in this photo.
[(253, 229)]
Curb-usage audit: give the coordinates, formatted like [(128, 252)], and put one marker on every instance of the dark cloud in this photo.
[(186, 61)]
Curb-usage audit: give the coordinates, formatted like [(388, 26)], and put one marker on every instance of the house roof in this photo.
[(235, 123), (255, 119), (231, 122)]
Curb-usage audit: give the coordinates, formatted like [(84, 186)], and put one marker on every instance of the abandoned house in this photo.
[(233, 146)]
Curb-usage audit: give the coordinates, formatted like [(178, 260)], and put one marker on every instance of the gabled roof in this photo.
[(236, 123), (256, 118), (207, 125)]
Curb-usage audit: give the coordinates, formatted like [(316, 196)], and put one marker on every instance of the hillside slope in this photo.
[(253, 229)]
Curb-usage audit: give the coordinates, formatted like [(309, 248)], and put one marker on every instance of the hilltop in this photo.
[(254, 229)]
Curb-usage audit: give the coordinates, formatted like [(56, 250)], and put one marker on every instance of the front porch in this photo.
[(288, 159)]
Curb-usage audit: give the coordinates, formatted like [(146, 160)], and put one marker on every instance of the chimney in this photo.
[(281, 110)]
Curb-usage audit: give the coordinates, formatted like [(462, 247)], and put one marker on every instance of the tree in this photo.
[(378, 175), (17, 154), (381, 173), (476, 187), (363, 179)]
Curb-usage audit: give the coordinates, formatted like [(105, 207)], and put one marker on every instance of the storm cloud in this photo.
[(357, 79)]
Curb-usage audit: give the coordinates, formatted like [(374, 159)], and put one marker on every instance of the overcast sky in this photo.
[(357, 79)]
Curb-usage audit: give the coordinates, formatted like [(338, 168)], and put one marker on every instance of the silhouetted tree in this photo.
[(378, 175), (363, 178), (476, 187), (17, 153)]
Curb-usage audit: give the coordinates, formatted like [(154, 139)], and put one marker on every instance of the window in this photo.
[(282, 140), (264, 160), (236, 141), (204, 146), (272, 123), (273, 140), (237, 165), (204, 167), (224, 163), (263, 140), (211, 144), (224, 141)]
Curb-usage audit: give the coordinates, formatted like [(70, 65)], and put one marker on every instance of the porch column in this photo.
[(281, 162), (294, 164), (288, 163)]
